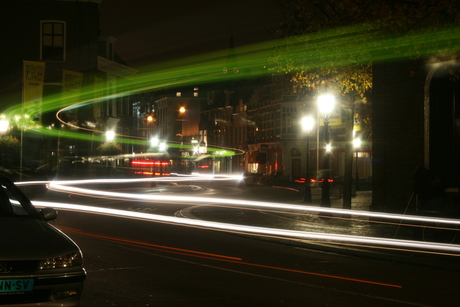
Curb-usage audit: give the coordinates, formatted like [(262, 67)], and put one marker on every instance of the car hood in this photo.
[(25, 238)]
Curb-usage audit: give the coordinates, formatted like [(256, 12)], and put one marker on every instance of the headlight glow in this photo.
[(64, 261)]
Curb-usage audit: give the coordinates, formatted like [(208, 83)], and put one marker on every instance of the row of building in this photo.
[(247, 122), (55, 46)]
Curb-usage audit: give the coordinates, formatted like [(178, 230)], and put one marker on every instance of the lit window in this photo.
[(178, 94), (195, 94), (53, 40)]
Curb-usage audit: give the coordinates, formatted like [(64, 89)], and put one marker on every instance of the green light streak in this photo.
[(333, 48)]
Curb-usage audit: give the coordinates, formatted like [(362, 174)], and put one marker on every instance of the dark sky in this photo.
[(153, 30)]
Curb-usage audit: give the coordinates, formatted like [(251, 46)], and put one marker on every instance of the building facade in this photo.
[(62, 39)]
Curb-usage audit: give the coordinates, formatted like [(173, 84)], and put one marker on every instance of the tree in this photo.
[(109, 149), (9, 147), (332, 44)]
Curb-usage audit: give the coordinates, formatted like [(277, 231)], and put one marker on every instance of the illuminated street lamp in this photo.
[(357, 145), (163, 146), (154, 142), (326, 104), (4, 125), (110, 136), (307, 125), (202, 149)]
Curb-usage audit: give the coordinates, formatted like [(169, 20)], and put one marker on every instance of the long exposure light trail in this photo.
[(173, 178), (252, 229), (334, 48), (63, 186)]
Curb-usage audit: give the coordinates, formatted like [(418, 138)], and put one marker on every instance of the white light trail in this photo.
[(173, 178), (252, 229), (62, 186), (68, 187)]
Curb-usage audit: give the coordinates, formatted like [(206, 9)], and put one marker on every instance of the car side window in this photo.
[(9, 204)]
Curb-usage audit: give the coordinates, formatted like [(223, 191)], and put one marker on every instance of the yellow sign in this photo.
[(335, 119), (32, 88)]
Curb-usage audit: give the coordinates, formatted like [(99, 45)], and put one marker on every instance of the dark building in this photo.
[(415, 124), (58, 42)]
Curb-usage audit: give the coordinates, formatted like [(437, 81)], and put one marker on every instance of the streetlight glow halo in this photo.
[(110, 135), (154, 141), (308, 123), (357, 143), (326, 103), (4, 125)]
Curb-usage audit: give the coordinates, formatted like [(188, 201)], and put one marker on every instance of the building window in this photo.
[(195, 94), (52, 41), (178, 94)]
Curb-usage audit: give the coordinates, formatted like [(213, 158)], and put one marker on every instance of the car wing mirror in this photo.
[(48, 214)]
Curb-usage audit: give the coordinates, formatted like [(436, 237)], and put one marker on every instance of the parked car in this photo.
[(16, 173), (39, 265)]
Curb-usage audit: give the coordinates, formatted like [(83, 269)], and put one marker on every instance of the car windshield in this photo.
[(10, 204)]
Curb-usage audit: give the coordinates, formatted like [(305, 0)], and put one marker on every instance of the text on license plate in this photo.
[(16, 285)]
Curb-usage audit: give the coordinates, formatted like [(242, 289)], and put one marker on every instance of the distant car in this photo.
[(39, 265)]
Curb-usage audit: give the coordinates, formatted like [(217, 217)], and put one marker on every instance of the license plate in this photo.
[(16, 285)]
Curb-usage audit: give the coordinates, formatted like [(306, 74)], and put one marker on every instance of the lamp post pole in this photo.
[(357, 175), (109, 137), (307, 124), (154, 141), (326, 105), (325, 186), (357, 144)]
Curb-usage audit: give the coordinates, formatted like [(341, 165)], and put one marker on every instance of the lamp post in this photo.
[(326, 105), (307, 125), (149, 126), (110, 136), (154, 142), (4, 125), (356, 145)]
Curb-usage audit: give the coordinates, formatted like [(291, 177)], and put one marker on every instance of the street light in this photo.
[(326, 105), (4, 125), (356, 145), (202, 149), (154, 142), (307, 125), (110, 136)]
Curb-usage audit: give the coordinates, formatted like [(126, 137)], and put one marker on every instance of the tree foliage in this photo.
[(9, 144), (334, 32), (331, 45), (109, 149)]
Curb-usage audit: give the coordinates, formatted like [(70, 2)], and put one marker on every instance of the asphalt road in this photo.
[(140, 263)]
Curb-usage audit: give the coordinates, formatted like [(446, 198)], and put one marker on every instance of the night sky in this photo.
[(151, 31)]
